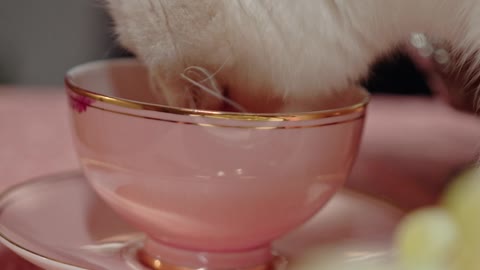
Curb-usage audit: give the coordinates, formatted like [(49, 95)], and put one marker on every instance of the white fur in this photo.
[(281, 55)]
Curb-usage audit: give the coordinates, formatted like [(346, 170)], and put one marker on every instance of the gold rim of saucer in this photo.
[(265, 117)]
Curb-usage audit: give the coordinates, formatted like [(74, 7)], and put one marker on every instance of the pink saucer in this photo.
[(57, 222)]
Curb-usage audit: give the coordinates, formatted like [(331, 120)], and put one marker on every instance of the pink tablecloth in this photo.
[(34, 141), (411, 146)]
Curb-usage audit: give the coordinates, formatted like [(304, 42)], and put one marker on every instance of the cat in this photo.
[(281, 55)]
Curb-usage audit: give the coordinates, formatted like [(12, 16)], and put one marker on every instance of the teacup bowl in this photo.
[(220, 184)]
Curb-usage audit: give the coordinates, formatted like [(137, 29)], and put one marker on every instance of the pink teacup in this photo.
[(210, 189)]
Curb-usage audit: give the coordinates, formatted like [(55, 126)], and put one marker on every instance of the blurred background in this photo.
[(40, 40)]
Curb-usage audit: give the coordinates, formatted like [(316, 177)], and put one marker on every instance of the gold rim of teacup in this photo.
[(264, 117)]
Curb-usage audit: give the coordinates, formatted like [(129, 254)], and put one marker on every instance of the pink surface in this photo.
[(34, 134), (411, 145), (34, 140)]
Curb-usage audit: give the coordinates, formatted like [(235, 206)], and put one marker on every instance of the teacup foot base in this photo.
[(154, 263), (158, 256)]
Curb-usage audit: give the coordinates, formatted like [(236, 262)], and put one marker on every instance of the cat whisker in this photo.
[(215, 92)]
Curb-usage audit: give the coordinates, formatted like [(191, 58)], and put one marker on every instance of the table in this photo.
[(411, 146)]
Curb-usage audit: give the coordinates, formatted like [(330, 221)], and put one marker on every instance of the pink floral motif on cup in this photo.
[(80, 103)]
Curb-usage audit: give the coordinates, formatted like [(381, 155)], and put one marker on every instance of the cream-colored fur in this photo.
[(281, 55)]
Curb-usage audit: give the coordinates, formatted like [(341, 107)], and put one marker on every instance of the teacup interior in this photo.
[(121, 78), (128, 79)]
